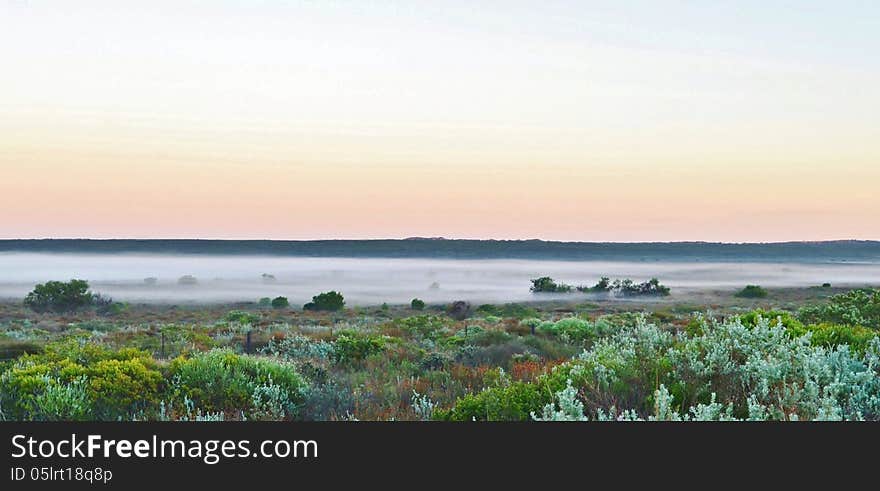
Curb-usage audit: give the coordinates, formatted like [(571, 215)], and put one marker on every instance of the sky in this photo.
[(625, 120)]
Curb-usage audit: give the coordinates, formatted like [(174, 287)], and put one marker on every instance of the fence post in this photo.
[(247, 346)]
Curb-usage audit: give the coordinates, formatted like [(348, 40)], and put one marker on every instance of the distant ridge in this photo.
[(438, 247)]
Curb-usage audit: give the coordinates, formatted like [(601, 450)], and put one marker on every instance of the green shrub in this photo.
[(80, 382), (514, 402), (853, 308), (546, 284), (571, 327), (417, 304), (751, 318), (58, 296), (222, 381), (349, 348), (280, 303), (627, 288), (752, 291), (328, 301), (265, 302), (242, 317), (832, 335)]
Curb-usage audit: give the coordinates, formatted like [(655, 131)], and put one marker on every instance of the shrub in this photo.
[(546, 284), (298, 348), (220, 380), (417, 304), (349, 348), (265, 302), (627, 288), (774, 317), (459, 310), (752, 291), (329, 301), (571, 327), (280, 303), (58, 296), (857, 338), (105, 306), (728, 371), (513, 402), (242, 317), (73, 381), (853, 308)]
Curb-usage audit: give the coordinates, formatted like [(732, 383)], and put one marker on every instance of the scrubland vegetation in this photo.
[(63, 357)]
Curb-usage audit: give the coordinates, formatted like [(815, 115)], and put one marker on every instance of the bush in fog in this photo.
[(752, 291), (265, 302), (187, 279), (417, 304), (280, 303), (627, 287), (59, 296), (328, 301), (546, 284), (459, 310)]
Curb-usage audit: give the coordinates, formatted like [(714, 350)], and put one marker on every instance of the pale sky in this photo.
[(564, 120)]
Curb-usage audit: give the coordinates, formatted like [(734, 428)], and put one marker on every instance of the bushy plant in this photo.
[(80, 381), (571, 327), (298, 347), (328, 301), (242, 317), (59, 296), (752, 291), (727, 371), (510, 402), (280, 303), (857, 338), (546, 284), (627, 288), (349, 347), (459, 310), (417, 304), (222, 381), (853, 308)]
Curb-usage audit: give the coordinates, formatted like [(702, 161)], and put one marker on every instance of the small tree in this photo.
[(328, 301), (280, 303), (417, 304), (58, 296)]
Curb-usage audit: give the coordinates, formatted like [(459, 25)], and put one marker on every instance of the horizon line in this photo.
[(439, 239)]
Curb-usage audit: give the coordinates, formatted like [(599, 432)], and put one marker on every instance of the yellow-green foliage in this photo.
[(111, 384)]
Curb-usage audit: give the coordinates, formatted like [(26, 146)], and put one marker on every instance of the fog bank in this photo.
[(370, 281)]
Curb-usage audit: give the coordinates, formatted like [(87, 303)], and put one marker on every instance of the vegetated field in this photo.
[(798, 353)]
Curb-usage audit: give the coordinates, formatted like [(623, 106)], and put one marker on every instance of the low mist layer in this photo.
[(369, 281)]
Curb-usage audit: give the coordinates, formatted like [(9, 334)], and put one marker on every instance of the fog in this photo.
[(374, 281)]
